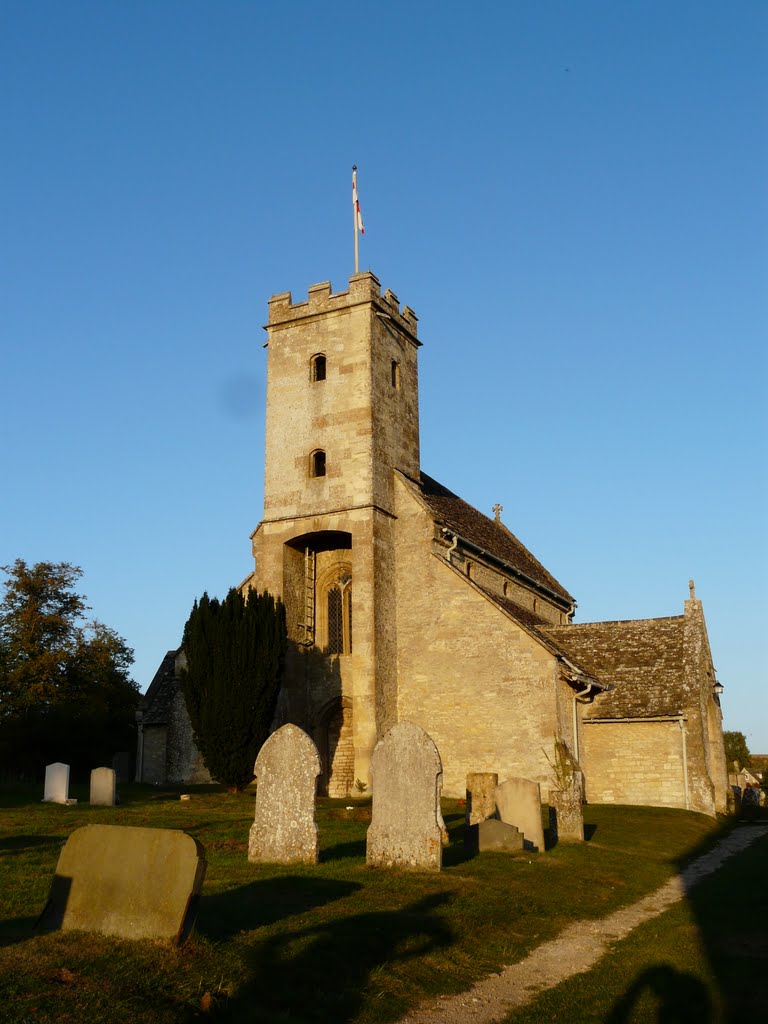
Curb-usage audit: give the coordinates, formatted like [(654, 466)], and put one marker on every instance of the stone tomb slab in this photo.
[(103, 787), (56, 790), (284, 829), (134, 883), (518, 802), (405, 825)]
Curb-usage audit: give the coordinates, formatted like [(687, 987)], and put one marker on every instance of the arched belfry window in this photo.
[(317, 463), (317, 368)]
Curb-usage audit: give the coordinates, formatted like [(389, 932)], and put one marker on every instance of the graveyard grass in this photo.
[(338, 942)]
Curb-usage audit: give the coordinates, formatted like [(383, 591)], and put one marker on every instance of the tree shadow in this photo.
[(18, 844), (266, 901), (321, 973), (729, 907), (680, 998)]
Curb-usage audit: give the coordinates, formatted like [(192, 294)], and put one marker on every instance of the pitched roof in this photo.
[(458, 516), (642, 659), (160, 693)]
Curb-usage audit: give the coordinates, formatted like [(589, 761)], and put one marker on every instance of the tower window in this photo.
[(317, 368), (317, 463), (340, 618), (395, 370)]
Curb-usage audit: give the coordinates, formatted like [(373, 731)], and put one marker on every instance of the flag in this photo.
[(356, 203)]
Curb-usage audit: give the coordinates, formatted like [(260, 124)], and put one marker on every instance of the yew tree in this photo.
[(235, 651)]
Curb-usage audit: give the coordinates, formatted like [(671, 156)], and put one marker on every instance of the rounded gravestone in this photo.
[(284, 829), (405, 824)]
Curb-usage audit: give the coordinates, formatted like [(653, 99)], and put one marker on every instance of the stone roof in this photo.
[(157, 700), (458, 516), (641, 659)]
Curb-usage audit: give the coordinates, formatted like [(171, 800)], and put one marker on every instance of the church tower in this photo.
[(342, 416)]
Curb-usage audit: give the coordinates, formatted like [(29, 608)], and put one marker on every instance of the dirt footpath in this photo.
[(576, 950)]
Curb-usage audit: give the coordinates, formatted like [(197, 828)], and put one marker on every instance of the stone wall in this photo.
[(153, 757), (633, 763), (484, 690)]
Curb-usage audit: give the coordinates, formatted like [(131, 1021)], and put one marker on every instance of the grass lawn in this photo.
[(702, 962), (334, 943)]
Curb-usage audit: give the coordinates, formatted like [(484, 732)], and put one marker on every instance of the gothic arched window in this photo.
[(340, 617)]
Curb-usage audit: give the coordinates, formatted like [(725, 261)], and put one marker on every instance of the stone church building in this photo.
[(406, 603)]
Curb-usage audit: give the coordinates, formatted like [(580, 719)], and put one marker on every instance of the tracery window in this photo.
[(339, 623)]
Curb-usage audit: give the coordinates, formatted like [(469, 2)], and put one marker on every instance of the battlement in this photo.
[(363, 288)]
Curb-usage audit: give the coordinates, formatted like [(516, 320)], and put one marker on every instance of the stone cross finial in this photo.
[(497, 510), (692, 589)]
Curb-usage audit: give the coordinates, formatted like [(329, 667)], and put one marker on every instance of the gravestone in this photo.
[(566, 818), (56, 789), (284, 829), (135, 883), (519, 803), (103, 782), (481, 796), (493, 834), (405, 824)]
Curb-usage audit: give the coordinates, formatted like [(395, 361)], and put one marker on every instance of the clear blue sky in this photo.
[(572, 196)]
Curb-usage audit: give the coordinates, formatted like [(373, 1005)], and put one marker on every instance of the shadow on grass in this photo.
[(354, 848), (679, 997), (327, 972), (265, 902), (730, 908), (18, 844), (17, 929)]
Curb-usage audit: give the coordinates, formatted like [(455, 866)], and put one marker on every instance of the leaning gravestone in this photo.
[(519, 803), (481, 796), (56, 789), (405, 824), (493, 834), (103, 787), (135, 883), (284, 829)]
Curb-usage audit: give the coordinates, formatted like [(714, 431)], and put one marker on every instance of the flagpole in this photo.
[(355, 215)]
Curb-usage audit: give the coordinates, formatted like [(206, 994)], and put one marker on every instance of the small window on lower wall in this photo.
[(317, 463)]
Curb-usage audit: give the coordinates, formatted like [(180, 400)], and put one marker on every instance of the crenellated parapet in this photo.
[(363, 289)]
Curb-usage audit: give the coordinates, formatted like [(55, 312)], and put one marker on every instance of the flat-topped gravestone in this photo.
[(566, 817), (103, 783), (518, 802), (481, 796), (405, 825), (56, 789), (135, 883), (284, 829)]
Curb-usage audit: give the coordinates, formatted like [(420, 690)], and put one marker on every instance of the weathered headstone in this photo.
[(284, 829), (103, 783), (56, 789), (405, 824), (135, 883), (518, 802), (493, 834), (566, 818), (481, 796)]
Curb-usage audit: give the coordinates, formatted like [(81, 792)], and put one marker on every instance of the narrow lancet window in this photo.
[(317, 463), (395, 374), (317, 368)]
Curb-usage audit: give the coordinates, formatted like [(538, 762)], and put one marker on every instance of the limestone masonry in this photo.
[(405, 603)]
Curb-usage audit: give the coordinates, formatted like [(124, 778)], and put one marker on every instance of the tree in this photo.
[(234, 652), (65, 692), (736, 749)]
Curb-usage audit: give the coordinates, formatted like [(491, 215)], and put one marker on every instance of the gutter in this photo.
[(542, 587)]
